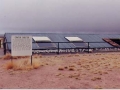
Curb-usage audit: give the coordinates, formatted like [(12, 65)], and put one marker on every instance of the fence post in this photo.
[(58, 47), (88, 48), (4, 46)]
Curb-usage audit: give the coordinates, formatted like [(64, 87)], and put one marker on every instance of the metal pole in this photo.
[(31, 59), (88, 47), (4, 46), (58, 47)]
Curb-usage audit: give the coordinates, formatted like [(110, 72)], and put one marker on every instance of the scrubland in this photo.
[(66, 71)]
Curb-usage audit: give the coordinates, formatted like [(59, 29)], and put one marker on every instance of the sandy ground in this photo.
[(68, 71)]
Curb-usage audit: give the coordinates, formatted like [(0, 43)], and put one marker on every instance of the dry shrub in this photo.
[(105, 72), (55, 56), (47, 64), (10, 65), (36, 64), (72, 66), (7, 56), (90, 61), (65, 67), (79, 63), (21, 57), (35, 56), (109, 70), (70, 76), (70, 55), (98, 87), (77, 78), (95, 72), (40, 56), (58, 74), (100, 72), (23, 65), (75, 75), (103, 58), (84, 74), (71, 69), (96, 78), (60, 68), (77, 54)]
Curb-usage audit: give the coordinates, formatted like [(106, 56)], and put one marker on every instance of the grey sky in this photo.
[(60, 15)]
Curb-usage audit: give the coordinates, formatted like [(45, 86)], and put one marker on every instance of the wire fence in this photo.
[(68, 47)]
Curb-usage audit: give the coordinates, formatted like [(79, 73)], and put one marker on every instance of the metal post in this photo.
[(4, 46), (88, 47), (31, 59), (58, 47)]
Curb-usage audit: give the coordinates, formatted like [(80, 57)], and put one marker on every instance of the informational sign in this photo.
[(21, 45)]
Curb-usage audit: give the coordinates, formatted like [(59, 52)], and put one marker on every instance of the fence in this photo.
[(88, 48)]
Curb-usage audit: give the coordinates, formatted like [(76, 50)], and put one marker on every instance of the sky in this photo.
[(85, 16)]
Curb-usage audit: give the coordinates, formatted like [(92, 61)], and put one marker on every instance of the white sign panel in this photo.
[(21, 45)]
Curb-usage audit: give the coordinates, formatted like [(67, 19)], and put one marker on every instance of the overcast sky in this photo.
[(60, 15)]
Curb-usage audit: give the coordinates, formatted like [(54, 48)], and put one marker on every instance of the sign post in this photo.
[(31, 59), (21, 45)]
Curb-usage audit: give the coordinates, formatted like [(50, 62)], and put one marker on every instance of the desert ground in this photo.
[(64, 71)]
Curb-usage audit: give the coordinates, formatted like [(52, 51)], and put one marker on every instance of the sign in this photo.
[(21, 45)]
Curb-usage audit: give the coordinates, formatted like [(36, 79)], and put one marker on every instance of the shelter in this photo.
[(68, 41)]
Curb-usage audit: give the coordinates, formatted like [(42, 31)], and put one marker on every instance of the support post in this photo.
[(58, 47), (31, 59), (88, 48), (4, 46)]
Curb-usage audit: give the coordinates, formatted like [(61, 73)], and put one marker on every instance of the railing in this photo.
[(58, 48)]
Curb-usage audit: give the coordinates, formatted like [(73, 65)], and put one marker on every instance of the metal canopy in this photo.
[(60, 37)]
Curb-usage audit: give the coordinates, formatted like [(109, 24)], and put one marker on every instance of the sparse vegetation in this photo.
[(87, 68), (8, 57), (23, 65), (60, 68), (58, 74), (79, 63), (98, 87), (75, 75), (10, 65), (96, 78), (77, 54), (71, 69), (72, 66), (70, 55), (47, 64), (66, 67)]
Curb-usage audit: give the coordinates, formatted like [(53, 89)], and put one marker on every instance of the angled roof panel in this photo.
[(46, 45), (80, 45), (77, 42), (41, 38), (73, 39), (59, 37)]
